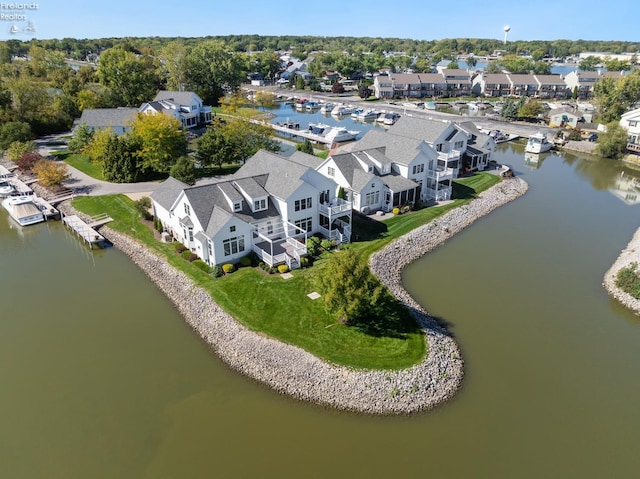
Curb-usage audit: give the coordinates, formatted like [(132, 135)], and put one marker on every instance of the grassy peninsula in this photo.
[(280, 308)]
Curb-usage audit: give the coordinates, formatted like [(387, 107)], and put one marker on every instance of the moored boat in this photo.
[(23, 209), (6, 188), (332, 134), (538, 143)]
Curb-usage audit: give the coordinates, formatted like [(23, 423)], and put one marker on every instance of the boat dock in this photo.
[(86, 230)]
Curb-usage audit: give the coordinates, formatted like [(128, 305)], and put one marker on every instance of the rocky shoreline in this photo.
[(297, 373), (628, 255)]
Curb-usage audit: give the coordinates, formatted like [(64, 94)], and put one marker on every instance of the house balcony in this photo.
[(442, 173), (336, 208)]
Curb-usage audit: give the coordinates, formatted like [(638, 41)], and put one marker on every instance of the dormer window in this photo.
[(259, 205), (371, 169), (237, 205)]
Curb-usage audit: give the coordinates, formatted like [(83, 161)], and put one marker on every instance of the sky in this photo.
[(414, 19)]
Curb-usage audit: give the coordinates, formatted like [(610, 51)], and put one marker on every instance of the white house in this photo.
[(270, 206), (185, 106), (630, 121), (416, 159)]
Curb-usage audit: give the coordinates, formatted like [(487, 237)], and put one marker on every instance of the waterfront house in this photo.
[(564, 117), (270, 206), (185, 106), (416, 159), (492, 85), (552, 86), (523, 84), (630, 121)]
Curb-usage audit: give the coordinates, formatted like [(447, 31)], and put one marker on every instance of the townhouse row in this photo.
[(458, 82)]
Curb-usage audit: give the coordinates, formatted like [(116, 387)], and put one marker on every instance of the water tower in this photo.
[(506, 32)]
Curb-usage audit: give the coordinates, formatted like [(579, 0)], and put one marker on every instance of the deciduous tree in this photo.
[(14, 131), (184, 170), (50, 173), (81, 138), (133, 79), (613, 142), (161, 141)]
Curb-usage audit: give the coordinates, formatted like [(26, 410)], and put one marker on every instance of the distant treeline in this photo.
[(80, 49)]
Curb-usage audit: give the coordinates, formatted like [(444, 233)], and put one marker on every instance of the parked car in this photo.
[(593, 137)]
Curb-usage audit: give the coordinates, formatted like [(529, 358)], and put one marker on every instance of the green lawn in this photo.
[(82, 163), (281, 309)]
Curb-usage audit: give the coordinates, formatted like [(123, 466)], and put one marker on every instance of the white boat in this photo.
[(341, 110), (312, 105), (6, 188), (23, 209), (356, 112), (367, 115), (332, 134), (327, 108), (538, 143), (388, 118)]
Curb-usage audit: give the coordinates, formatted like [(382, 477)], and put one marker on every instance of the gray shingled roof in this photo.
[(167, 193), (396, 182), (284, 175), (305, 159), (251, 187), (228, 189), (397, 148), (179, 97), (107, 117), (419, 128)]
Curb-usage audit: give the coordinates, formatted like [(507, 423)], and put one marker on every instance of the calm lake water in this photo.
[(101, 378)]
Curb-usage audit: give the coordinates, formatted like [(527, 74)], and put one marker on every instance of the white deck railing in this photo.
[(337, 206)]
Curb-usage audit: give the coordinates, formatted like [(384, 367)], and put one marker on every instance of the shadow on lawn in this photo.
[(462, 192), (367, 229)]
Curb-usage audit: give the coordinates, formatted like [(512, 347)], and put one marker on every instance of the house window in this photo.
[(187, 210), (417, 169), (232, 228), (233, 245), (190, 234), (633, 123), (458, 145), (304, 224), (302, 204), (324, 197), (237, 206), (260, 205), (331, 171), (431, 165), (210, 245), (372, 198)]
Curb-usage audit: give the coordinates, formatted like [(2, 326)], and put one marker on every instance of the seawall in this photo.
[(291, 370), (628, 255)]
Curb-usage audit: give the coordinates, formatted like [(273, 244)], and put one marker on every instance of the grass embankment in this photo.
[(281, 309)]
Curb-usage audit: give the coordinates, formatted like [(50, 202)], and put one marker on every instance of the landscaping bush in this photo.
[(143, 205), (192, 257), (326, 244), (180, 248), (283, 268), (405, 209), (245, 261), (228, 268), (396, 211), (217, 271), (305, 262), (186, 254), (313, 245), (202, 266), (628, 280)]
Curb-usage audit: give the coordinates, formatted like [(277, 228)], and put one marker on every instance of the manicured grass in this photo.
[(280, 308), (82, 163)]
